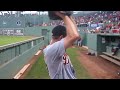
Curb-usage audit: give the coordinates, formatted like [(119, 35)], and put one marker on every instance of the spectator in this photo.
[(79, 42), (116, 49)]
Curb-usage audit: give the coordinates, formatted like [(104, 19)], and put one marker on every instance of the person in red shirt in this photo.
[(119, 25)]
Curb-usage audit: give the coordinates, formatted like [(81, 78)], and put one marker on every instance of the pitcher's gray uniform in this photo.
[(58, 62)]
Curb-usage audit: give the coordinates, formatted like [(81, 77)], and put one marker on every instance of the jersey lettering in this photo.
[(66, 59)]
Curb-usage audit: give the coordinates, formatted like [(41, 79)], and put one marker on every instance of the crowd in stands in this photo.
[(110, 21)]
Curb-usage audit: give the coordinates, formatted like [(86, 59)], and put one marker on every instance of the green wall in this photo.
[(13, 58), (92, 41)]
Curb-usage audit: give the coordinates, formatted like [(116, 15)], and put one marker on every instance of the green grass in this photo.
[(38, 71), (81, 72), (12, 39)]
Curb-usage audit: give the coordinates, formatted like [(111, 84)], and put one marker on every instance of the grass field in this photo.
[(38, 71), (12, 39)]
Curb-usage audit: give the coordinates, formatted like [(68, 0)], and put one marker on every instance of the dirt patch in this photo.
[(97, 67)]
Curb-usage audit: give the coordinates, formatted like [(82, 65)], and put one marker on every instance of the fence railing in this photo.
[(14, 56)]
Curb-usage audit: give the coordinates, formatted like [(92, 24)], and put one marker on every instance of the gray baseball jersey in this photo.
[(58, 62)]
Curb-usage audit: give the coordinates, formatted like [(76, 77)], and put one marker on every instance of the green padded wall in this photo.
[(12, 59)]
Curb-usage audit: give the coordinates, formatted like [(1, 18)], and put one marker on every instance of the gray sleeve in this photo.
[(61, 48), (55, 50)]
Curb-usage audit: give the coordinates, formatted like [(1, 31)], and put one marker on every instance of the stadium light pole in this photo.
[(42, 19), (34, 21), (25, 21), (39, 17), (83, 13), (48, 36)]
